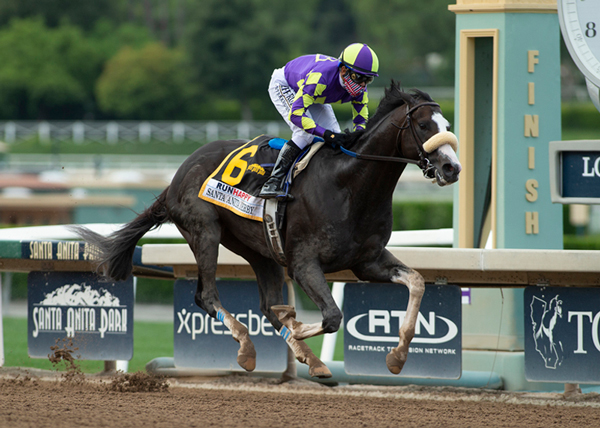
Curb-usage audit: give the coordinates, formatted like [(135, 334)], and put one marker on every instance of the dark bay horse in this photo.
[(341, 219)]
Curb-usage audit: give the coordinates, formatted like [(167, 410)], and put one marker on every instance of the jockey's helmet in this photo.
[(360, 58)]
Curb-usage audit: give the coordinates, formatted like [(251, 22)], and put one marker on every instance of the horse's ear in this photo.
[(408, 99), (420, 95), (397, 87)]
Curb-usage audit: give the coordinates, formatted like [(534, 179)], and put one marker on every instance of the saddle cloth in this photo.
[(237, 181)]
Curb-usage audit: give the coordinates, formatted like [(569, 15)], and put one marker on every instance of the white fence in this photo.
[(124, 131)]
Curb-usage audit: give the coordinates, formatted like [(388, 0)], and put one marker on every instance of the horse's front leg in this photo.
[(389, 269), (311, 279)]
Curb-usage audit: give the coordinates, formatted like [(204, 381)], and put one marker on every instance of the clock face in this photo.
[(580, 25)]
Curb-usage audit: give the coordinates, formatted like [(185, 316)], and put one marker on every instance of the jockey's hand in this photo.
[(339, 138)]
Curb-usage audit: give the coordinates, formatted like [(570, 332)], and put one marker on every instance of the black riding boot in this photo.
[(274, 185)]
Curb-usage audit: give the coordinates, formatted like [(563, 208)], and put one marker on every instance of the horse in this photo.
[(341, 218)]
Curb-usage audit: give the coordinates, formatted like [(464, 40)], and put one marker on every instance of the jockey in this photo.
[(303, 92)]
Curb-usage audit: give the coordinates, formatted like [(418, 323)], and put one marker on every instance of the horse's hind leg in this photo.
[(270, 279), (205, 246), (247, 354), (389, 269), (316, 367)]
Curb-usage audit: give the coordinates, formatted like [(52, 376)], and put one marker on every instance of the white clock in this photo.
[(580, 26)]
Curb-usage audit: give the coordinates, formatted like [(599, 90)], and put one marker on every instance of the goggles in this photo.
[(360, 78)]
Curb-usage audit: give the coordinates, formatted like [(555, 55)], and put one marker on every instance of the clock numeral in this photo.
[(590, 29)]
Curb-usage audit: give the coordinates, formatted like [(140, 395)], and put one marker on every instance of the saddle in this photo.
[(237, 181)]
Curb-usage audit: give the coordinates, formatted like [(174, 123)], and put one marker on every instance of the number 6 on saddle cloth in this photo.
[(236, 183)]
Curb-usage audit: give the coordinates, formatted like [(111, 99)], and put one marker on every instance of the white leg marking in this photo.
[(302, 331), (305, 355), (416, 287)]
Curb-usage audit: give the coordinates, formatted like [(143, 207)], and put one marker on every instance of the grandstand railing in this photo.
[(113, 132)]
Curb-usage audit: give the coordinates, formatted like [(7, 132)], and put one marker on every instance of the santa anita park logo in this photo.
[(78, 308)]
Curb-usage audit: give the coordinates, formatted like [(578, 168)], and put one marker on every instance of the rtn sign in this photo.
[(374, 314), (378, 326)]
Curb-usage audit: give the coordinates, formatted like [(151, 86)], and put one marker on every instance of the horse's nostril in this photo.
[(448, 169)]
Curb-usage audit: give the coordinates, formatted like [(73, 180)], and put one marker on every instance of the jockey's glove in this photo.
[(339, 138)]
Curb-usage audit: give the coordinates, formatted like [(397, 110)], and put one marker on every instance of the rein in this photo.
[(423, 163), (379, 158)]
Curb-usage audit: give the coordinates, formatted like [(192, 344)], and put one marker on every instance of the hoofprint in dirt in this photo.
[(47, 399)]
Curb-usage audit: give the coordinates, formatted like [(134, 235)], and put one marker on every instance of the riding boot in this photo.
[(274, 185)]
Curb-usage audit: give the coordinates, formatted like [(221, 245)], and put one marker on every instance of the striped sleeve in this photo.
[(310, 92)]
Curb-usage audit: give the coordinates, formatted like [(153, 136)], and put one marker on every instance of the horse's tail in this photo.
[(114, 253)]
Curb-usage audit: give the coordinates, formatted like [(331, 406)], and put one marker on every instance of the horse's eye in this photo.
[(422, 125)]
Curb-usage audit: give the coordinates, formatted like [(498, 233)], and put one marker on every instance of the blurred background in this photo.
[(101, 101), (198, 59)]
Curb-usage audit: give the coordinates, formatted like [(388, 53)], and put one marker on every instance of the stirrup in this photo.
[(274, 192), (285, 197), (278, 194), (269, 193)]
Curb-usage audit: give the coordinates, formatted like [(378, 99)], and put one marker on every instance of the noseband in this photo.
[(423, 162)]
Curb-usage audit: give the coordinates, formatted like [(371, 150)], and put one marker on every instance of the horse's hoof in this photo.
[(394, 364), (246, 362), (284, 312), (322, 372)]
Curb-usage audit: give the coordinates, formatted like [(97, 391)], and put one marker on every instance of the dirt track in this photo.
[(44, 399)]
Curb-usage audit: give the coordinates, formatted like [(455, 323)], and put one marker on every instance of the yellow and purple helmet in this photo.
[(360, 58)]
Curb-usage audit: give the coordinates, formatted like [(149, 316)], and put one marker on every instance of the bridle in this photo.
[(423, 162)]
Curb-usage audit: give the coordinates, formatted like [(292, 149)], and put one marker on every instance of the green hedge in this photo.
[(422, 215), (580, 115), (585, 242)]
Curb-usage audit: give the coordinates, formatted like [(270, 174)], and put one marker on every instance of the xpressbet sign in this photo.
[(374, 314), (201, 341)]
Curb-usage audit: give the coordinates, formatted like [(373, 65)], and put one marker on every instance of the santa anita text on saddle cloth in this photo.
[(234, 199)]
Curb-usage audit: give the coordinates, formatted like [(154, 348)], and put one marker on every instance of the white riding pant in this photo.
[(283, 95)]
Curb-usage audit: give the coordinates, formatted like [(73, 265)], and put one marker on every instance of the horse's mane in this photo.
[(393, 98)]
